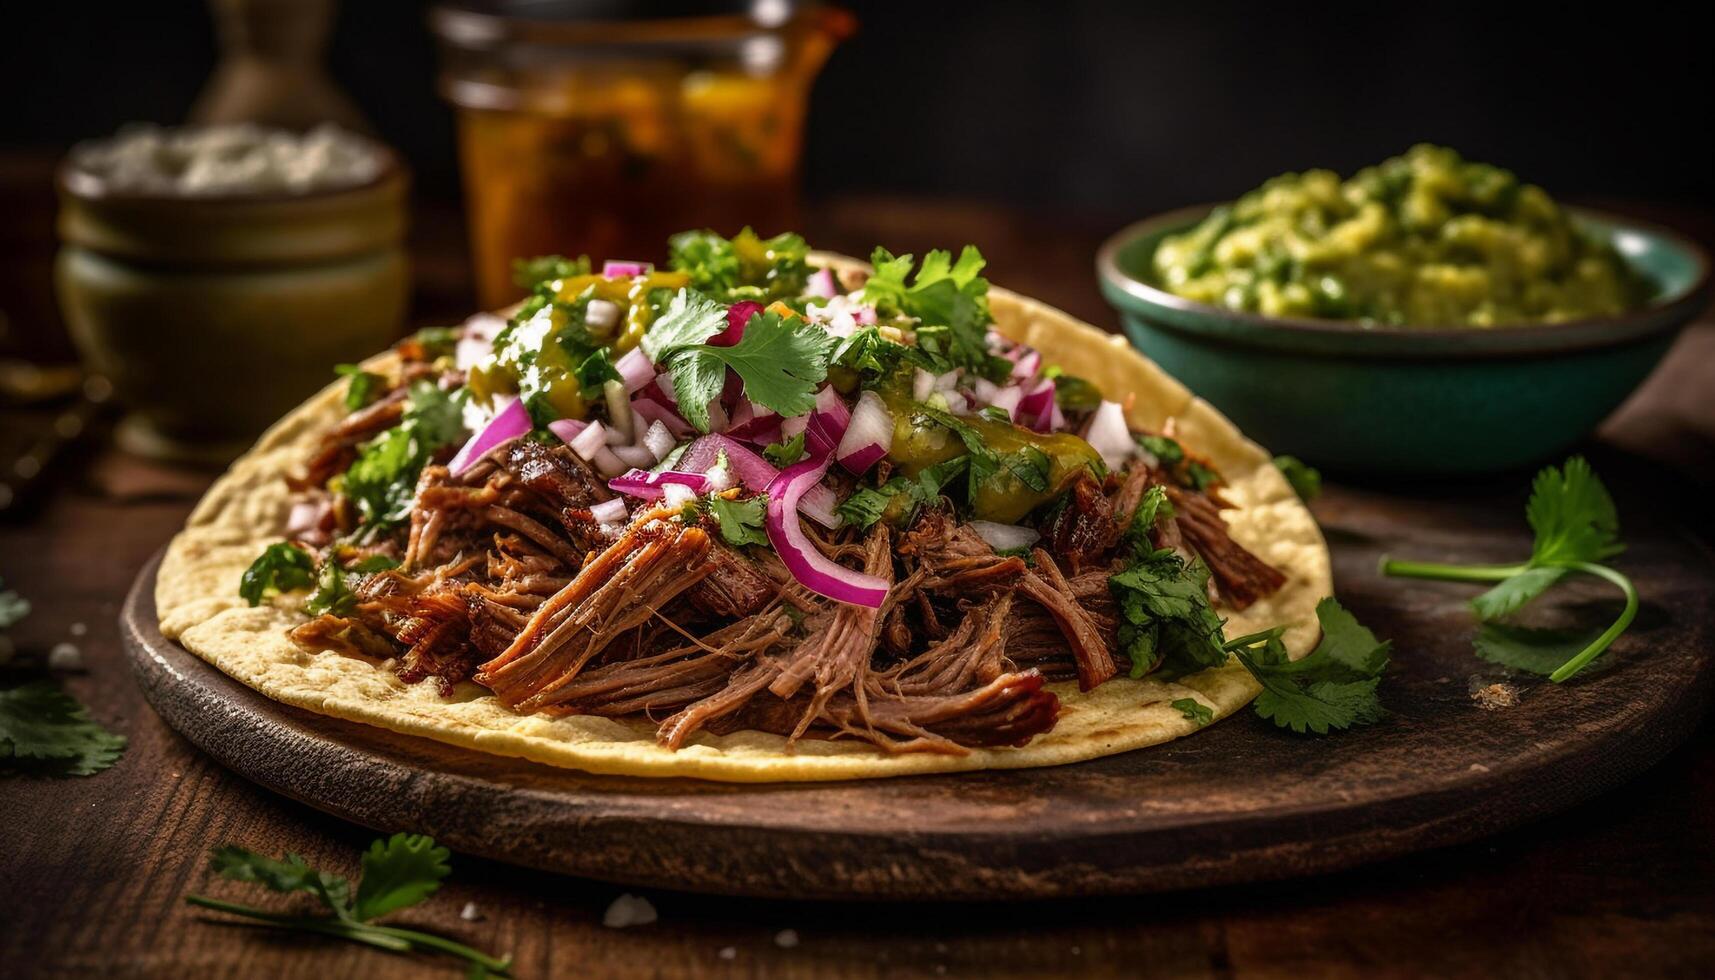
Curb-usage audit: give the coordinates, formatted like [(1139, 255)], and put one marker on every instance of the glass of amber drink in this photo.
[(595, 128)]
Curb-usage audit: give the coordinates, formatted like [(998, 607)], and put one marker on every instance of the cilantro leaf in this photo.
[(1572, 515), (286, 875), (867, 351), (397, 872), (1165, 616), (900, 497), (530, 273), (1305, 481), (363, 388), (332, 595), (45, 730), (1576, 526), (780, 360), (1194, 710), (740, 520), (746, 266), (1151, 510), (948, 299), (784, 454), (1532, 649), (1333, 687), (382, 481), (282, 567), (400, 872), (1172, 459)]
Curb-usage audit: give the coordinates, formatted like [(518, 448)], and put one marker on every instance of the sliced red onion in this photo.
[(1108, 434), (737, 315), (813, 570), (652, 412), (1027, 365), (635, 370), (645, 485), (588, 441), (607, 464), (659, 440), (637, 457), (476, 342), (661, 390), (868, 437), (754, 424), (567, 429), (922, 383), (619, 268), (828, 421), (822, 284), (1008, 399), (509, 423), (1033, 407), (1005, 537), (864, 314), (610, 512), (756, 473)]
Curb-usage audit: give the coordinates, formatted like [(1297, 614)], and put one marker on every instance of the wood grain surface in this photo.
[(93, 872)]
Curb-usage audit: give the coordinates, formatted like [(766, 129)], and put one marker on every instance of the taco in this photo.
[(763, 515)]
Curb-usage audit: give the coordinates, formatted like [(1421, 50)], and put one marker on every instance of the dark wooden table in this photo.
[(93, 872)]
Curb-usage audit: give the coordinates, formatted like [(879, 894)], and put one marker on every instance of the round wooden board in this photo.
[(1241, 801)]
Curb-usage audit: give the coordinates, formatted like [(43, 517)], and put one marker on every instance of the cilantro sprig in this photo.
[(1333, 687), (780, 359), (949, 301), (382, 481), (741, 520), (398, 872), (1576, 529)]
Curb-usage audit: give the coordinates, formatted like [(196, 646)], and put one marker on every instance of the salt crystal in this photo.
[(65, 656), (786, 938), (469, 913), (628, 910)]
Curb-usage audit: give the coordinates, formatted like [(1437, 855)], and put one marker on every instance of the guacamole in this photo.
[(1426, 239)]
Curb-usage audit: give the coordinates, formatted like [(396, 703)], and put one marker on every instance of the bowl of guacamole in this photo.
[(1425, 315)]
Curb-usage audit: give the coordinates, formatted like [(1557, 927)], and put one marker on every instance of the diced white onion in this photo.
[(1109, 435), (677, 494), (1008, 399), (610, 511), (1005, 537), (922, 383), (588, 442), (658, 440)]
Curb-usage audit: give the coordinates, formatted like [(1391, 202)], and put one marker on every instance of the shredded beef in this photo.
[(1241, 577)]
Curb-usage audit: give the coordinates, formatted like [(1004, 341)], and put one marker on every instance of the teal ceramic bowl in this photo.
[(1403, 401)]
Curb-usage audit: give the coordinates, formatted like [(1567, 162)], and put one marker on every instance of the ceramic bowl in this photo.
[(1409, 401)]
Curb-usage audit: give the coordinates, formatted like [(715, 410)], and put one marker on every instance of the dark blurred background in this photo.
[(1108, 110)]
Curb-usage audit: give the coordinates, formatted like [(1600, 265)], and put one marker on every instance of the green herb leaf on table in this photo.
[(1534, 650), (282, 567), (1194, 710), (1331, 688), (45, 731), (398, 872), (1575, 528)]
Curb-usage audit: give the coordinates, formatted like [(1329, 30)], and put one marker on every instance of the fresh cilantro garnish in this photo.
[(1173, 460), (740, 520), (1152, 509), (1165, 616), (530, 273), (868, 352), (398, 872), (901, 496), (363, 388), (779, 359), (994, 413), (1532, 649), (282, 567), (784, 454), (948, 299), (1333, 687), (594, 371), (1306, 482), (1194, 710), (332, 595), (1074, 394), (45, 731), (436, 341), (744, 267), (382, 481), (1576, 528)]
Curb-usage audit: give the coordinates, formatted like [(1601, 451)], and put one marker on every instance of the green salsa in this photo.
[(1426, 239)]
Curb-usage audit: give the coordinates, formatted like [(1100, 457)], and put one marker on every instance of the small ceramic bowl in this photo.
[(1405, 401)]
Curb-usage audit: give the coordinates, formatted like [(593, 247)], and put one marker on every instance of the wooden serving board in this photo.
[(1241, 801)]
